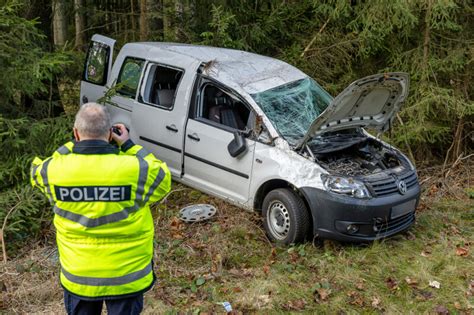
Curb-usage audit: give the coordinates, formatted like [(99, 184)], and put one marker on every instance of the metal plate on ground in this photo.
[(197, 213), (403, 208)]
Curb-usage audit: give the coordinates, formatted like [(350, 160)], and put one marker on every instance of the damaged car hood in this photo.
[(369, 102)]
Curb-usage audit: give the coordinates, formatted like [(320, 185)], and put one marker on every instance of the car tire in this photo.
[(285, 217)]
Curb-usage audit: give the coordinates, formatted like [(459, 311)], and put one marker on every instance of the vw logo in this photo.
[(402, 187)]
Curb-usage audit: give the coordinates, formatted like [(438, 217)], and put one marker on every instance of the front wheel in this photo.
[(285, 217)]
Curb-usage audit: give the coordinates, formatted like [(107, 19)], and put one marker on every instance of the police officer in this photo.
[(101, 196)]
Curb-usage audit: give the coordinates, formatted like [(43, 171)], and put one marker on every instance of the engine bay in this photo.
[(362, 158)]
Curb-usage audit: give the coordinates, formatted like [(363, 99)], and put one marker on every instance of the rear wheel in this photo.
[(285, 217)]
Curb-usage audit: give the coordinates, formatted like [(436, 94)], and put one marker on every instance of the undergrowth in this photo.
[(22, 139)]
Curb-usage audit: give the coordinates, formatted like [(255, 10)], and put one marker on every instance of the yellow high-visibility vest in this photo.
[(101, 198)]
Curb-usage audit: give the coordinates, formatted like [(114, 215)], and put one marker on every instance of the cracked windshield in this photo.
[(292, 107)]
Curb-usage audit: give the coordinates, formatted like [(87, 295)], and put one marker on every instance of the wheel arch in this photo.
[(276, 183)]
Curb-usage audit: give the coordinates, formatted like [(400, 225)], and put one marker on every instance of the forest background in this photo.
[(43, 44)]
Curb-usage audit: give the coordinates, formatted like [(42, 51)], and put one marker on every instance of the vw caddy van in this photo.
[(263, 135)]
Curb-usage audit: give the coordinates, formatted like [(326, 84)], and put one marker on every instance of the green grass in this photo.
[(229, 258), (239, 265)]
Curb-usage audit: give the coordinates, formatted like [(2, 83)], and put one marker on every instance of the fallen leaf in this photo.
[(375, 302), (422, 294), (264, 299), (391, 283), (432, 190), (410, 236), (355, 298), (470, 288), (295, 305), (321, 294), (455, 230), (216, 263), (440, 309), (266, 269), (457, 306), (434, 284), (425, 253), (273, 256), (237, 289), (462, 251), (3, 287), (176, 223), (224, 290), (177, 236), (360, 286), (411, 282), (241, 272)]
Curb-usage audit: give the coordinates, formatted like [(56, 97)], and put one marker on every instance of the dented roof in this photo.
[(253, 73)]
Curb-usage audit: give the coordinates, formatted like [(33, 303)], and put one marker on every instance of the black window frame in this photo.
[(106, 70), (197, 98), (145, 79), (139, 81)]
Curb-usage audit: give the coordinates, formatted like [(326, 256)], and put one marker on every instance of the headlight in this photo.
[(345, 186)]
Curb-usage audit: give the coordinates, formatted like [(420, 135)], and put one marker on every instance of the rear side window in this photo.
[(161, 85), (97, 63), (129, 76)]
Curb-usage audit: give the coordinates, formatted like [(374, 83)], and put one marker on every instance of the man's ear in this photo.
[(110, 136), (76, 134)]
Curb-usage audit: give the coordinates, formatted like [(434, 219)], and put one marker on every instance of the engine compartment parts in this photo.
[(363, 158), (197, 213)]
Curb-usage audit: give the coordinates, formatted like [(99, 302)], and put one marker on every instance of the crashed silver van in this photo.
[(263, 135)]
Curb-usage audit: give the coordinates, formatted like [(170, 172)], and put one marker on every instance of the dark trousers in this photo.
[(126, 306)]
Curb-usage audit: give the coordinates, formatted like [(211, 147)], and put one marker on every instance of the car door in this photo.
[(97, 69), (217, 113), (122, 98), (160, 112)]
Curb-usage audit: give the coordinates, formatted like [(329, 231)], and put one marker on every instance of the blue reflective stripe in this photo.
[(142, 176), (94, 222), (63, 150), (44, 175), (159, 178), (33, 174), (110, 281), (142, 153), (113, 217)]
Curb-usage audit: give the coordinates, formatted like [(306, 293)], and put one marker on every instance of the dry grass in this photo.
[(230, 259)]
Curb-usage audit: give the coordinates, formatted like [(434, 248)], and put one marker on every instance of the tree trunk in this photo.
[(155, 19), (426, 36), (179, 13), (59, 22), (132, 21), (143, 21), (168, 15), (79, 23)]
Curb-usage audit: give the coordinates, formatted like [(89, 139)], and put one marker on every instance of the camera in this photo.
[(116, 130)]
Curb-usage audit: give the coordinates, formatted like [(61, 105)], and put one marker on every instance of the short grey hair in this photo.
[(93, 121)]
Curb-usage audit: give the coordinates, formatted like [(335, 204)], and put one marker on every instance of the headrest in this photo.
[(221, 100)]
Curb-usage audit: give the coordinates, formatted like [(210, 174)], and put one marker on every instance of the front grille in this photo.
[(394, 224), (388, 186)]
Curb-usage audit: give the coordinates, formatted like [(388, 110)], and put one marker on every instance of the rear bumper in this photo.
[(348, 219)]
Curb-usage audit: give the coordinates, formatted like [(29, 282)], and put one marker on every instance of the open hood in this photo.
[(370, 102)]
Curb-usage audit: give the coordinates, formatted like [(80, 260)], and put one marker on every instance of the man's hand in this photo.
[(120, 139)]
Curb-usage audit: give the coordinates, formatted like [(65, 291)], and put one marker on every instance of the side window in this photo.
[(97, 63), (223, 108), (161, 85), (129, 77)]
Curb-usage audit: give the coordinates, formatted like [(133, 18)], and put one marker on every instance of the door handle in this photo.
[(194, 137), (172, 128)]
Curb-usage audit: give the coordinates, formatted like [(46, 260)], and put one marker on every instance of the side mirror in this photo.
[(238, 145)]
